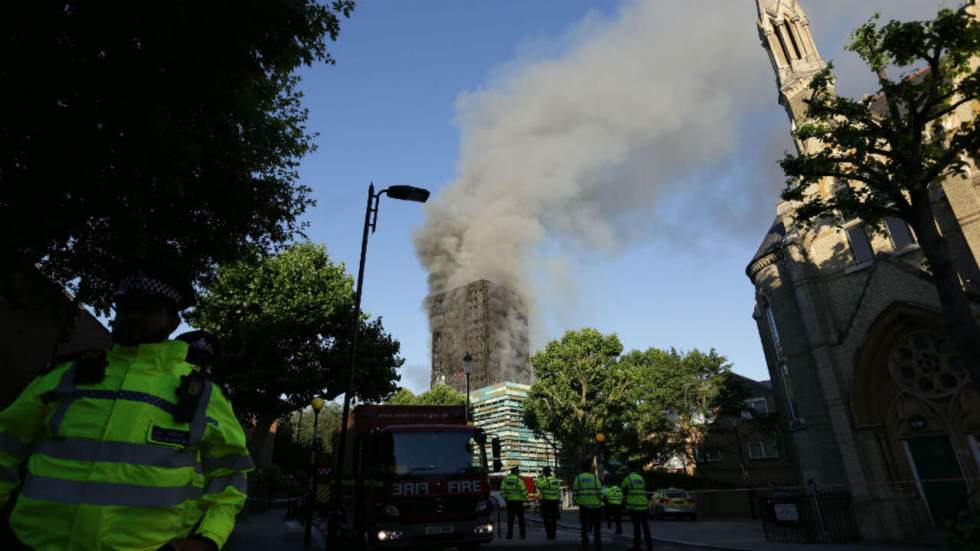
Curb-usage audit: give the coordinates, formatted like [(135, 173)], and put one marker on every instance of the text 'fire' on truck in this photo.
[(414, 476)]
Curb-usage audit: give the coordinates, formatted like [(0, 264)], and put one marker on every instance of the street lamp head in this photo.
[(317, 404), (408, 193), (468, 364)]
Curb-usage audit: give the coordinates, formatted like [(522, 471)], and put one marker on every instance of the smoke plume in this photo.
[(577, 147)]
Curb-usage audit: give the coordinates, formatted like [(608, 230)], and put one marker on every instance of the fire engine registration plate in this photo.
[(430, 530)]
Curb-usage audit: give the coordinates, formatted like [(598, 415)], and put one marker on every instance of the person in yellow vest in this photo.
[(613, 496), (514, 492), (635, 489), (549, 490), (130, 448), (587, 492)]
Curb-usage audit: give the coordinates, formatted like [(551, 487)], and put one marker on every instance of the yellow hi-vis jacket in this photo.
[(549, 487), (586, 491), (108, 467), (636, 492), (512, 488)]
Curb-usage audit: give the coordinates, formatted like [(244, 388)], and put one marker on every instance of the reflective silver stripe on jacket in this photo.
[(233, 462), (11, 445), (128, 395), (200, 419), (83, 449), (237, 481), (74, 492)]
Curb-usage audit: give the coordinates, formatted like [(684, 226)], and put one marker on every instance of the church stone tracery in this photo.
[(888, 413)]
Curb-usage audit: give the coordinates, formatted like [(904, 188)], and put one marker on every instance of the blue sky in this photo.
[(386, 113)]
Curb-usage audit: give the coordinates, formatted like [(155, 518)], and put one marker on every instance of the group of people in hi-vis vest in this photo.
[(590, 495), (592, 498)]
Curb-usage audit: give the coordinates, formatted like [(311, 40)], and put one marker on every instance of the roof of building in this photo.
[(772, 240)]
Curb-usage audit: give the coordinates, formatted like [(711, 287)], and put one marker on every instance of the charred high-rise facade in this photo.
[(487, 321)]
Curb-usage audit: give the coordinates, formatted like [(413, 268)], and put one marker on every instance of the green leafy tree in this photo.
[(440, 395), (890, 154), (294, 437), (580, 390), (163, 129), (678, 399), (284, 327)]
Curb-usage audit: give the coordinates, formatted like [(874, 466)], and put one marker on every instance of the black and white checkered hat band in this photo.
[(139, 283)]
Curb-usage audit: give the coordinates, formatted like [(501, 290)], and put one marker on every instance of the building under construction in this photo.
[(499, 410), (487, 321)]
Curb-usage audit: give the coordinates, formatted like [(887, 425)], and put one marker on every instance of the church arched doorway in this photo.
[(910, 390)]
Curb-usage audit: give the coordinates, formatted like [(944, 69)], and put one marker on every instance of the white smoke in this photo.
[(577, 146)]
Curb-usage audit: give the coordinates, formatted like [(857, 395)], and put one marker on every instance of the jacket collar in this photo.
[(169, 350)]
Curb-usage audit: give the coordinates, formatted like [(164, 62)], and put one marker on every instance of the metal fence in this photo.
[(808, 517)]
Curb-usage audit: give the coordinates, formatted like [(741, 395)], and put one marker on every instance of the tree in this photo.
[(890, 154), (284, 324), (579, 391), (440, 395), (678, 399), (164, 129)]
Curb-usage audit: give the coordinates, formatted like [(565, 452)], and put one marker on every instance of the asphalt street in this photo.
[(568, 540)]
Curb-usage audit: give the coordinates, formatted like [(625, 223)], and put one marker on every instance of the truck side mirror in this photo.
[(498, 465), (480, 437)]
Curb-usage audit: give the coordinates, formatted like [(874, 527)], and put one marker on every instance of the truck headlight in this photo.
[(481, 506), (392, 510), (483, 529), (388, 535)]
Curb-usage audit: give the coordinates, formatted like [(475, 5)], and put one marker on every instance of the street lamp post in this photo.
[(404, 193), (467, 369), (317, 405), (600, 439)]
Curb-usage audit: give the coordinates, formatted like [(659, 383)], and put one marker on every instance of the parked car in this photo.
[(674, 502)]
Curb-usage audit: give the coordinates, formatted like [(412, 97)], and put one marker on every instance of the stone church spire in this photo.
[(785, 34)]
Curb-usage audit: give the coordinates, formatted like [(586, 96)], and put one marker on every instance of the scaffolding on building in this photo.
[(499, 410)]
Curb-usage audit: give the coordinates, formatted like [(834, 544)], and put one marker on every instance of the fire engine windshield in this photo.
[(425, 453)]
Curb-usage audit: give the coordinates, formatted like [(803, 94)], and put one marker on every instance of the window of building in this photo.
[(782, 43), (773, 332), (763, 449), (707, 455), (757, 405), (899, 232), (860, 246), (792, 38), (790, 395)]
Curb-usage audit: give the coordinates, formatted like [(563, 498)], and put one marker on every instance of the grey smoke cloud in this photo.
[(564, 145), (655, 107)]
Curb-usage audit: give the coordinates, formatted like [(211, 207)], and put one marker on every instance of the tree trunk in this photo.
[(961, 325)]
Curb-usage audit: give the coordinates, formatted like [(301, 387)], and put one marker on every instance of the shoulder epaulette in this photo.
[(89, 355)]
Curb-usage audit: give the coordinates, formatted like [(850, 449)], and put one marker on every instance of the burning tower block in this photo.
[(487, 321)]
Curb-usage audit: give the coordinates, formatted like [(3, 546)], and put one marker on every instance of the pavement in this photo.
[(732, 535), (271, 530)]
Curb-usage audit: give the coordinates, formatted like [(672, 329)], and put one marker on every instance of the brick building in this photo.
[(852, 330), (39, 322), (487, 321), (743, 451)]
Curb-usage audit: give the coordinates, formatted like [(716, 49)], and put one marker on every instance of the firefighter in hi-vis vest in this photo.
[(130, 448)]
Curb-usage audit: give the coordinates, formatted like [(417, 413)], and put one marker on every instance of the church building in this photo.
[(852, 329)]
